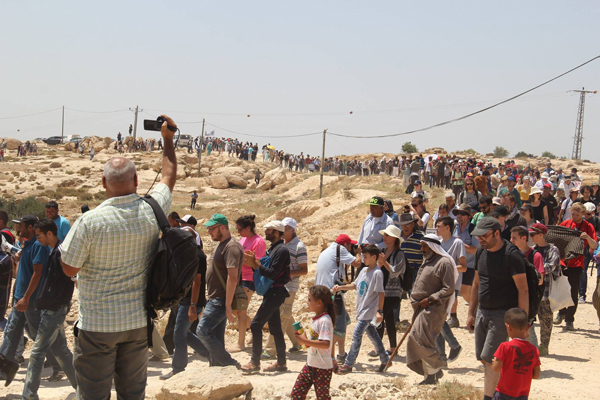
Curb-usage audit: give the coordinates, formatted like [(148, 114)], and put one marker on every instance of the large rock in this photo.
[(301, 209), (70, 146), (12, 144), (214, 383), (276, 176), (265, 184), (218, 182), (236, 181), (230, 171), (189, 159)]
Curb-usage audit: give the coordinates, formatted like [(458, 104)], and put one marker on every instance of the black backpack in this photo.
[(536, 291), (173, 268)]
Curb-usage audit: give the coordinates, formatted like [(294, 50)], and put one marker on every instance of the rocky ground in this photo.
[(227, 186)]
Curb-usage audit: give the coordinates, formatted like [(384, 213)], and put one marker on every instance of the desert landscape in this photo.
[(226, 185)]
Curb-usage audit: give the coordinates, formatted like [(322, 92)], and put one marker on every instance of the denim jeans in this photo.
[(50, 334), (357, 335), (13, 334), (182, 338), (268, 312), (584, 279), (211, 332), (446, 336)]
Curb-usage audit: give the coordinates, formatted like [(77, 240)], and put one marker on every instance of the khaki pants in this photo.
[(287, 322)]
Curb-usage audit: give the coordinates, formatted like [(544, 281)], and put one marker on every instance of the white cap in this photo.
[(277, 225), (291, 222), (589, 207), (450, 195)]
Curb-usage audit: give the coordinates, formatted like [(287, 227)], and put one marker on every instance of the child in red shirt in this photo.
[(518, 361)]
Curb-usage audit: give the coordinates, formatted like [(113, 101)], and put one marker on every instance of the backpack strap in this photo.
[(163, 222)]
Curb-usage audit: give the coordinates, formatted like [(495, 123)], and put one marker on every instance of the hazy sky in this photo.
[(301, 67)]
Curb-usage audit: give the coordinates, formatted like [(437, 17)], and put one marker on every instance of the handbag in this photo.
[(240, 300), (560, 293), (262, 284)]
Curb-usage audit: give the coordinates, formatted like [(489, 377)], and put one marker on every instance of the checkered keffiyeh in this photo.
[(567, 241)]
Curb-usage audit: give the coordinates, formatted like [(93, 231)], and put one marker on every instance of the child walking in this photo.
[(319, 363), (518, 361), (370, 296)]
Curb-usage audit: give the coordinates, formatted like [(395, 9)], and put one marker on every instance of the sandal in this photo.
[(250, 367), (275, 367)]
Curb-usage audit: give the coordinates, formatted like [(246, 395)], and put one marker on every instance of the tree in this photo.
[(408, 147), (549, 155), (470, 151), (500, 152), (521, 154)]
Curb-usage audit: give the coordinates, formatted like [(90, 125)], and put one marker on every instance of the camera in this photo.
[(151, 125)]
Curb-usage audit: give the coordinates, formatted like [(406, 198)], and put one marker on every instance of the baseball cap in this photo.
[(547, 185), (291, 222), (418, 182), (538, 228), (217, 219), (277, 225), (512, 178), (344, 239), (28, 219), (526, 206), (499, 211), (188, 219), (485, 225), (496, 201), (376, 201)]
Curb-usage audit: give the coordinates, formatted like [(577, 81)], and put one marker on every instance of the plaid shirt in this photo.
[(113, 246), (552, 268)]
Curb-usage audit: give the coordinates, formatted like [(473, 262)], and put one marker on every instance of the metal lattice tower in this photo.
[(578, 138)]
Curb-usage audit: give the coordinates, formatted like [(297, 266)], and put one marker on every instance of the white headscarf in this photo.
[(433, 241)]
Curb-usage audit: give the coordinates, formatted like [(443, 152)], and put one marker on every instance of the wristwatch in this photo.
[(192, 304), (380, 312)]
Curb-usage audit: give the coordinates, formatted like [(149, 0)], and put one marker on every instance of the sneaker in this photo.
[(372, 353), (275, 367), (581, 299), (453, 322), (558, 319), (343, 370), (454, 353), (9, 368), (341, 358), (543, 350), (295, 349), (569, 326), (382, 368), (56, 376), (168, 375), (267, 356)]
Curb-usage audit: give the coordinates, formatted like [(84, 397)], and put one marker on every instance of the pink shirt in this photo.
[(258, 246)]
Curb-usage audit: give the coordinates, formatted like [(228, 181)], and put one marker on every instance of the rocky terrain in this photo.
[(226, 185)]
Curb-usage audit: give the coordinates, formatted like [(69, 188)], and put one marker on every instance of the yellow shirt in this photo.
[(524, 192)]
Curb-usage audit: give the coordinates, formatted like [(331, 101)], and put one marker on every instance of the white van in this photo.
[(183, 140)]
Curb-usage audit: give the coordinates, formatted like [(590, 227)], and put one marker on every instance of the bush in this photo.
[(549, 155), (521, 154), (18, 208), (470, 151), (408, 147), (500, 152), (85, 171)]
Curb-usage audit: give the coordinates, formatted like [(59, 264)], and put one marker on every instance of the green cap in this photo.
[(217, 219)]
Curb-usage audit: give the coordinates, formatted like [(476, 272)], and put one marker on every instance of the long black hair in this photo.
[(320, 292)]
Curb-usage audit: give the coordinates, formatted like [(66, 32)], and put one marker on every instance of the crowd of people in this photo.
[(495, 223)]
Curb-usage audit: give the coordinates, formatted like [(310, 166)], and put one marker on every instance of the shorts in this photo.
[(490, 332), (468, 276), (249, 285), (502, 396), (342, 320)]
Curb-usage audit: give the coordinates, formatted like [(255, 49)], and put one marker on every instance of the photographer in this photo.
[(331, 271)]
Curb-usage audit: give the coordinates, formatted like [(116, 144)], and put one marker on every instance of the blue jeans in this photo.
[(446, 336), (182, 337), (583, 283), (357, 335), (211, 332), (50, 334)]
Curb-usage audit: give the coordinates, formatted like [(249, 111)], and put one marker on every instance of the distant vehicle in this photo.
[(53, 140), (184, 140), (76, 140), (39, 138)]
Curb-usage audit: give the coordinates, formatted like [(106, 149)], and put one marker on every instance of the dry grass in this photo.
[(455, 390)]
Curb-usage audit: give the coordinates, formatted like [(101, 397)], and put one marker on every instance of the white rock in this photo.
[(206, 383), (218, 182)]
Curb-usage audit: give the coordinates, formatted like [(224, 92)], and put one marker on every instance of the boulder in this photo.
[(276, 176), (215, 383), (301, 209), (12, 144), (218, 182), (236, 181), (55, 164), (265, 184), (230, 171), (189, 159), (70, 146), (251, 185)]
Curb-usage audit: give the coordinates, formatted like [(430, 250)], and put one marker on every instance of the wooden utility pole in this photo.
[(200, 148), (322, 164), (62, 134)]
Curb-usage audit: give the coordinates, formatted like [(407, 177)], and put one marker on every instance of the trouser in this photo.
[(389, 304), (211, 331), (584, 279), (310, 376), (268, 312), (440, 180), (425, 178), (574, 276), (357, 336), (168, 336), (193, 205), (159, 349), (100, 357), (183, 337), (446, 336), (457, 189), (545, 316), (50, 334), (287, 322)]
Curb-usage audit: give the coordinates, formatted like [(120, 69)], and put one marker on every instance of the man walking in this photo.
[(500, 283), (110, 249)]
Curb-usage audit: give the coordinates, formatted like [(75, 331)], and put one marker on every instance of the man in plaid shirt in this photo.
[(110, 249)]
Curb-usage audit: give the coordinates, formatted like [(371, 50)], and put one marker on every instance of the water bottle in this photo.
[(9, 248), (374, 322)]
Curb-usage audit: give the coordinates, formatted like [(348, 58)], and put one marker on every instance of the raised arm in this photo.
[(169, 161)]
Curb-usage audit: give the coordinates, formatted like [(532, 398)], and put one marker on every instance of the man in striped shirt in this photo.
[(411, 245)]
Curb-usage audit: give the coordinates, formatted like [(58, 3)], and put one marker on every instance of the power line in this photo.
[(264, 136), (30, 115), (468, 115), (96, 112)]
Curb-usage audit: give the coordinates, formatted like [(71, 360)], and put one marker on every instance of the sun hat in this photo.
[(462, 209), (536, 190), (394, 231), (277, 225), (406, 218), (590, 207)]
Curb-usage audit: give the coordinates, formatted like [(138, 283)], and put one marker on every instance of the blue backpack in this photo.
[(262, 284)]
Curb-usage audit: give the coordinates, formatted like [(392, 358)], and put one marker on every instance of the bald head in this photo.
[(119, 170)]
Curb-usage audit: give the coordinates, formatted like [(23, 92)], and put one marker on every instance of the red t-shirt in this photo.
[(583, 226), (519, 358)]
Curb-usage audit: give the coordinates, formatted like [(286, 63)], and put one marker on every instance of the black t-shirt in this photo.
[(552, 205), (538, 212), (516, 220), (497, 289)]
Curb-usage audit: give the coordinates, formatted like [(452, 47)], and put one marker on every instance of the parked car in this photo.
[(76, 140), (53, 140), (184, 140)]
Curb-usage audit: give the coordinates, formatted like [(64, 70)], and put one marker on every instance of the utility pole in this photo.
[(578, 138), (136, 110), (62, 134), (322, 164), (200, 148)]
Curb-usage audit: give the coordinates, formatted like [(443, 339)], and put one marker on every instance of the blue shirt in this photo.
[(63, 226), (33, 253), (370, 230), (469, 241)]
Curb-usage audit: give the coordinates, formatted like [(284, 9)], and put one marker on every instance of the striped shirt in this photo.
[(412, 249), (298, 256), (113, 246)]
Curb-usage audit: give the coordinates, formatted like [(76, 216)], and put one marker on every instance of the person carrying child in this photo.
[(370, 295), (517, 361), (319, 363)]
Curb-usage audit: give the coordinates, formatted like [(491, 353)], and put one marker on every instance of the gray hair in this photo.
[(119, 170)]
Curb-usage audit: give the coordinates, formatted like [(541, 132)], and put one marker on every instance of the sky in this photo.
[(280, 68)]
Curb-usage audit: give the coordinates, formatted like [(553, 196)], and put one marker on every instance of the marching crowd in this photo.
[(492, 246)]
